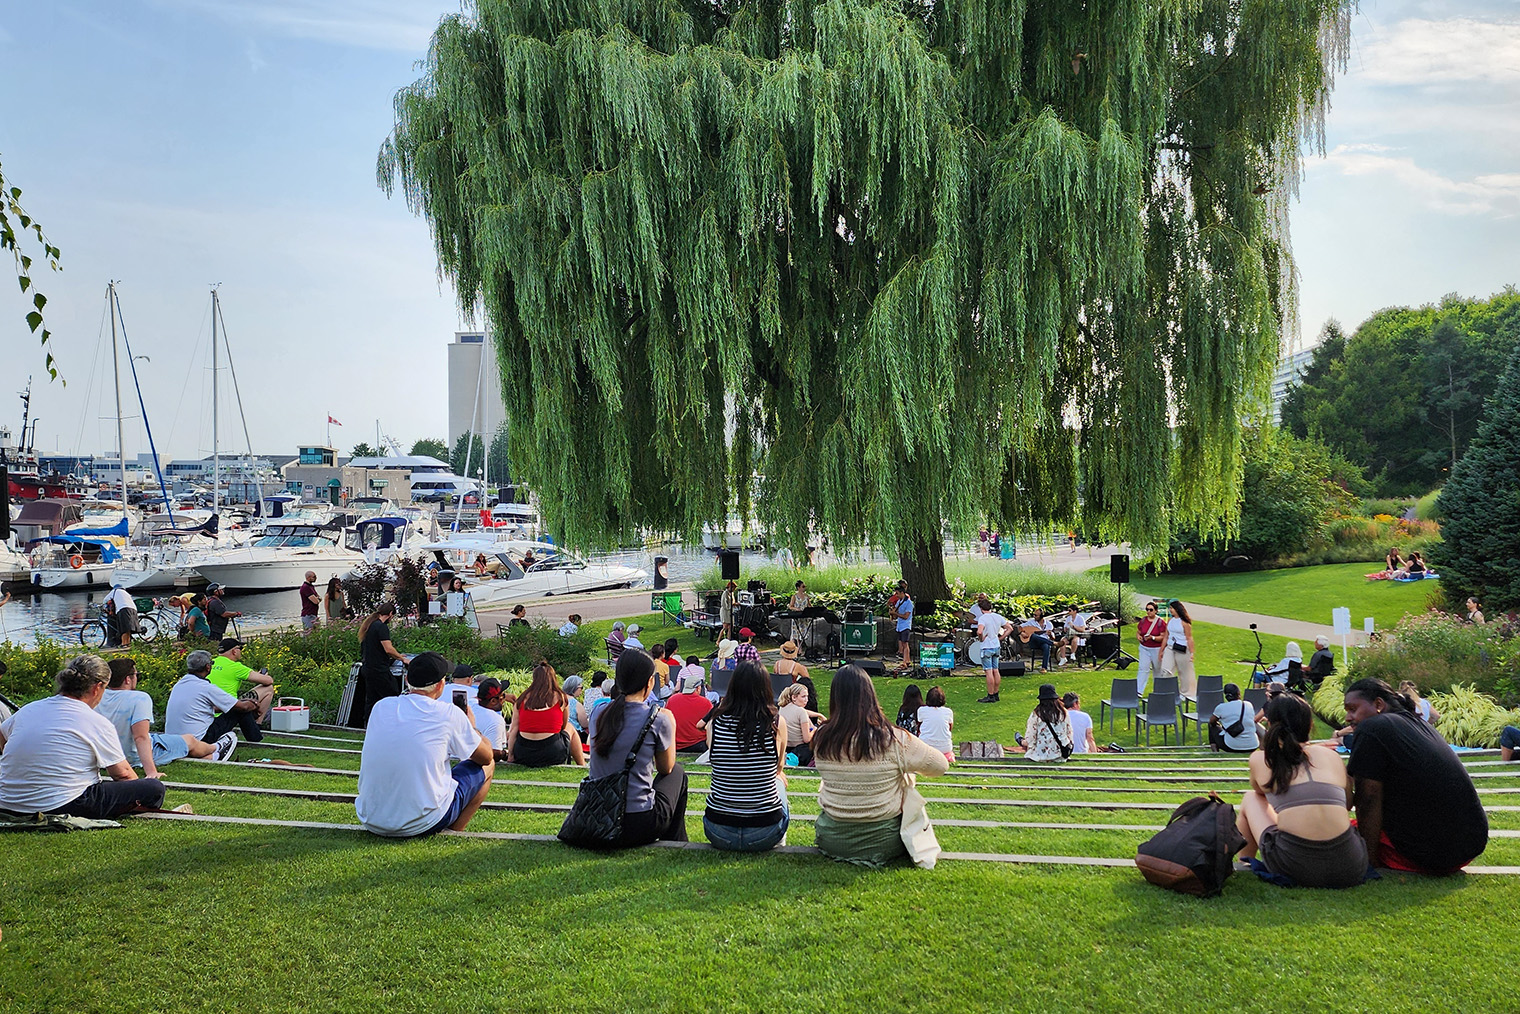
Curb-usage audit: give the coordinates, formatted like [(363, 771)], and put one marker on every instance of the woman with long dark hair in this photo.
[(1047, 734), (376, 652), (1178, 651), (656, 806), (747, 807), (1296, 812), (335, 601), (867, 766), (541, 734), (907, 713)]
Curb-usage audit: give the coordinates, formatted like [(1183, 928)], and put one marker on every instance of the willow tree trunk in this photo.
[(923, 567)]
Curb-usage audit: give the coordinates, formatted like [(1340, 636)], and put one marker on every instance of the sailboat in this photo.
[(87, 558)]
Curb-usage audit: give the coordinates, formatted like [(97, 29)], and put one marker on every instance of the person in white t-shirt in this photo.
[(123, 610), (486, 709), (991, 628), (936, 723), (130, 711), (1081, 725), (52, 752), (197, 707), (407, 787)]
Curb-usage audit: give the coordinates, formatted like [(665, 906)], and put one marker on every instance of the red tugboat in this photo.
[(27, 481)]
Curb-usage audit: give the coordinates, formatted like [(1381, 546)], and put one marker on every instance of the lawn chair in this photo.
[(1208, 700), (1160, 709), (721, 678), (1163, 685), (1123, 696), (779, 682), (614, 650), (1257, 698), (1206, 684)]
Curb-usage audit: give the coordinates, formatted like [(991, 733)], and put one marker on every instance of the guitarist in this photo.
[(1038, 631)]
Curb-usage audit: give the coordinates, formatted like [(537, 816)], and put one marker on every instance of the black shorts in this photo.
[(903, 636), (541, 753)]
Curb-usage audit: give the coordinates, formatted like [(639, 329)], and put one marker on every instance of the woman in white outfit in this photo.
[(1177, 653)]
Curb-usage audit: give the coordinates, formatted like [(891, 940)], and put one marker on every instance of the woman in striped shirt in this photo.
[(746, 804)]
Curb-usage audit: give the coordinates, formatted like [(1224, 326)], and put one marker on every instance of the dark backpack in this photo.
[(1195, 852)]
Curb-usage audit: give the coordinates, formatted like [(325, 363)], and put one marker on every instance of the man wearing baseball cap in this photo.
[(237, 679), (688, 707), (407, 785), (746, 651)]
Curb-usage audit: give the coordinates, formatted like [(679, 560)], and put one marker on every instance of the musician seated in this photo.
[(1073, 634), (1038, 632)]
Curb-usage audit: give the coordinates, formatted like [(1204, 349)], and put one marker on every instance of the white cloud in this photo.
[(1489, 194), (404, 25), (1420, 52)]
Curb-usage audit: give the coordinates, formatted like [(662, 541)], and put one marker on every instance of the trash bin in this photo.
[(661, 572)]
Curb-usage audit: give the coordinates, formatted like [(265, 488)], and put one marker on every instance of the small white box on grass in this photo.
[(290, 714)]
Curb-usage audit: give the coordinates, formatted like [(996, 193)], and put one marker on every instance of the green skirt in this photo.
[(872, 843)]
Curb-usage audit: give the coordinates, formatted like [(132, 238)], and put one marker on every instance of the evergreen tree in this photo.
[(1479, 552), (469, 451), (498, 465), (363, 450), (898, 266)]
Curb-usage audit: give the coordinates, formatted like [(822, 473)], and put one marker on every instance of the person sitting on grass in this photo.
[(407, 786), (862, 758), (1047, 734), (1416, 806), (229, 673), (541, 735), (1411, 690), (656, 801), (53, 750), (1509, 742), (907, 713), (130, 712), (799, 721), (1236, 713), (1295, 814), (747, 809), (489, 700), (1082, 740), (462, 680), (673, 659), (690, 708), (1394, 563), (571, 626), (936, 723), (787, 664), (199, 708), (605, 696)]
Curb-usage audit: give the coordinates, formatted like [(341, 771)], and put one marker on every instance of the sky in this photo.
[(172, 144)]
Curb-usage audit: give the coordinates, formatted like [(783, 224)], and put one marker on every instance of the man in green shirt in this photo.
[(230, 674)]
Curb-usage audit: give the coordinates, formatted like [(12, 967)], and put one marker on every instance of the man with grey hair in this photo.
[(194, 702), (52, 752), (1321, 663)]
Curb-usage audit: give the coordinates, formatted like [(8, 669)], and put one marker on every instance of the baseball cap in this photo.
[(746, 632), (464, 672), (489, 689), (229, 643), (426, 669), (691, 682)]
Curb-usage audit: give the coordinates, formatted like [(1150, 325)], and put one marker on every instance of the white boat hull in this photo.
[(595, 577), (163, 576), (91, 575), (244, 571)]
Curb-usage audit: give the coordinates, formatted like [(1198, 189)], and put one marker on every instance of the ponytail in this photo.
[(1289, 721), (386, 608)]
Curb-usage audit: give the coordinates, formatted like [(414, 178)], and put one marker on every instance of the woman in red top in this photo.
[(1152, 637), (541, 735)]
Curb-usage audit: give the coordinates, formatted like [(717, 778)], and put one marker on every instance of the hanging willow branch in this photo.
[(896, 260)]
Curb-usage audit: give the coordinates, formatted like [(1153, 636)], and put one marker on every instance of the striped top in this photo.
[(743, 792)]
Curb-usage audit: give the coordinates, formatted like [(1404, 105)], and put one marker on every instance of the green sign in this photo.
[(936, 655)]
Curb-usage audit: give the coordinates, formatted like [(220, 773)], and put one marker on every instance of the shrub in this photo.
[(1438, 651), (1395, 508), (1469, 718)]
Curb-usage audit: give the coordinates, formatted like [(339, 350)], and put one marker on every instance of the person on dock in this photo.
[(241, 681), (1416, 806), (311, 602), (130, 712), (407, 786), (53, 750), (197, 627)]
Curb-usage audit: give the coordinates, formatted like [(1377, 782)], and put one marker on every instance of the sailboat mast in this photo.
[(121, 453), (216, 453)]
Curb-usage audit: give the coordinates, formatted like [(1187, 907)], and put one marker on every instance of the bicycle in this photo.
[(151, 621)]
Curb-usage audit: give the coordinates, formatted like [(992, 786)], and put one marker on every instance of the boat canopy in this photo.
[(108, 551), (381, 532), (118, 530)]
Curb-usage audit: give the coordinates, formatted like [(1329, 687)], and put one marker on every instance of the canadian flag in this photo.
[(333, 421)]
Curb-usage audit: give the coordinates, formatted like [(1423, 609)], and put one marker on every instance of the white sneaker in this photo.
[(225, 746)]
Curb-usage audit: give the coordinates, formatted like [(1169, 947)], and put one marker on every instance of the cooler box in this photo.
[(290, 714)]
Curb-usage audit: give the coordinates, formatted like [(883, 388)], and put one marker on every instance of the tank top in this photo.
[(1174, 632), (1308, 793), (550, 720)]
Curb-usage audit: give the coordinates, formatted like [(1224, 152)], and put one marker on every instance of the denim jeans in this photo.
[(748, 839), (1044, 644)]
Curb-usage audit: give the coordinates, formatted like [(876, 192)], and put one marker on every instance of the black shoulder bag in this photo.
[(1065, 747), (595, 820), (1238, 726)]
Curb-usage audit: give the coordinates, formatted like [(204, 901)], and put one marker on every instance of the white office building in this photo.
[(484, 416), (1289, 369)]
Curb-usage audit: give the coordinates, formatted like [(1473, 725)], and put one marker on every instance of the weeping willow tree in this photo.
[(873, 270)]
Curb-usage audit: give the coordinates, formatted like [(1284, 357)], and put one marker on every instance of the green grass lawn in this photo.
[(1299, 593)]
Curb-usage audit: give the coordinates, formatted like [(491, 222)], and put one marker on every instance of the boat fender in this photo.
[(89, 577), (76, 561)]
